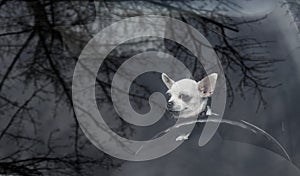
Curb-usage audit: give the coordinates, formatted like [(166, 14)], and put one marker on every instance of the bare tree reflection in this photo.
[(38, 55)]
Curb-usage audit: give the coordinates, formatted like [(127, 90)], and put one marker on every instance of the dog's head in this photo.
[(188, 97)]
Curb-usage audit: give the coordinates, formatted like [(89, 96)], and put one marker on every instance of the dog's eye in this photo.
[(185, 97), (168, 95)]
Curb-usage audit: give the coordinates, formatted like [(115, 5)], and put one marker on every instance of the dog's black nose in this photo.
[(170, 104)]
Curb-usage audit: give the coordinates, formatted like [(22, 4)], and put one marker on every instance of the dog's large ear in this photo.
[(207, 85), (168, 81)]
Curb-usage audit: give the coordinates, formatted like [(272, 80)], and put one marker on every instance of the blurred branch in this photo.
[(10, 67)]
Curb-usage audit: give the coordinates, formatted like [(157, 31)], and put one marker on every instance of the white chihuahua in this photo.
[(188, 97)]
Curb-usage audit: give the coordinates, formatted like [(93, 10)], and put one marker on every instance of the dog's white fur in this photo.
[(188, 97)]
